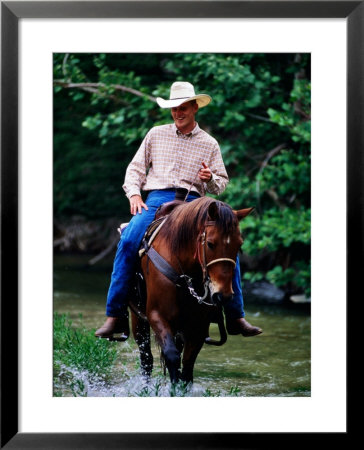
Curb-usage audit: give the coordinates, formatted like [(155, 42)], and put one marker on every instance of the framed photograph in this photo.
[(31, 34)]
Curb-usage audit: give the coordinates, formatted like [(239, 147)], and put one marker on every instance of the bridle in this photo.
[(204, 265), (201, 243)]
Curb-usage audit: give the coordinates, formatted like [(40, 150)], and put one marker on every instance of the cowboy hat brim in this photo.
[(201, 99)]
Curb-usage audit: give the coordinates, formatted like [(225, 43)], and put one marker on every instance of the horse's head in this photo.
[(219, 243)]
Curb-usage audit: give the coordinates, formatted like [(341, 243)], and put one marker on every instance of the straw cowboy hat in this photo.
[(181, 92)]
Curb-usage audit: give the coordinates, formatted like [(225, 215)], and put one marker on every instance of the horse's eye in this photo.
[(210, 245)]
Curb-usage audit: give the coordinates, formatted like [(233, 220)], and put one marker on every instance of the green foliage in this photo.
[(272, 230), (260, 115), (78, 348), (300, 274)]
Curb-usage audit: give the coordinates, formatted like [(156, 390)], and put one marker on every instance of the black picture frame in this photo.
[(11, 13)]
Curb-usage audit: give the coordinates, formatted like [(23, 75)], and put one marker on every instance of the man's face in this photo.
[(184, 116)]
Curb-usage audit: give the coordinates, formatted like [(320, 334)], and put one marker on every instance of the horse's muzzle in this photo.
[(222, 292)]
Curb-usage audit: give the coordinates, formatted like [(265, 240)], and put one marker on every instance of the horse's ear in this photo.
[(213, 211), (241, 213)]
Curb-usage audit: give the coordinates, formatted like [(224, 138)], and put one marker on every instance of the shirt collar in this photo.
[(191, 133)]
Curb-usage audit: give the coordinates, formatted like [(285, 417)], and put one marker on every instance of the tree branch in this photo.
[(105, 252), (95, 88), (255, 116), (263, 165)]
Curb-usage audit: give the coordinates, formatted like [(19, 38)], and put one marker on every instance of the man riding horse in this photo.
[(173, 158)]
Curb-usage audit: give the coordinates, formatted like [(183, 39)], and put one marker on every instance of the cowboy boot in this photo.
[(242, 326), (114, 329)]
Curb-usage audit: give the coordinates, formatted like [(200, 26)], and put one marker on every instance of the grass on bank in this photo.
[(75, 350)]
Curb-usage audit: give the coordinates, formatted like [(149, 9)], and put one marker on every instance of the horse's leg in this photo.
[(194, 334), (141, 333), (179, 341), (192, 348), (165, 339)]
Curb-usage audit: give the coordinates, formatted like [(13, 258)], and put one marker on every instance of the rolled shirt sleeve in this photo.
[(136, 173)]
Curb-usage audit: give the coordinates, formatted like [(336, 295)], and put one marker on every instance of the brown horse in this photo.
[(188, 272)]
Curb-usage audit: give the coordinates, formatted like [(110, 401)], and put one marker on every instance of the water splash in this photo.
[(72, 382)]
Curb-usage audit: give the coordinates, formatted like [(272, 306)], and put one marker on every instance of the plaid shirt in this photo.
[(169, 159)]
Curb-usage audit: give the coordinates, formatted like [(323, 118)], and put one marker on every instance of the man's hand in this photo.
[(136, 205), (205, 173)]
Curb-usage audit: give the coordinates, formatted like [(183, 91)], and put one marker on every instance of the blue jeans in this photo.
[(126, 254)]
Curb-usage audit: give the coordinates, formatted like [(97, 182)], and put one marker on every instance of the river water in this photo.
[(273, 364)]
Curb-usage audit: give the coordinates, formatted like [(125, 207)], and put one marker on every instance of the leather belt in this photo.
[(181, 192)]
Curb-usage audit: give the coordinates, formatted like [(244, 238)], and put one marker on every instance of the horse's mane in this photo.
[(186, 221)]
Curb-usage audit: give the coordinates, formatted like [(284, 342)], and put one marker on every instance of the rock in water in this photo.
[(263, 292)]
